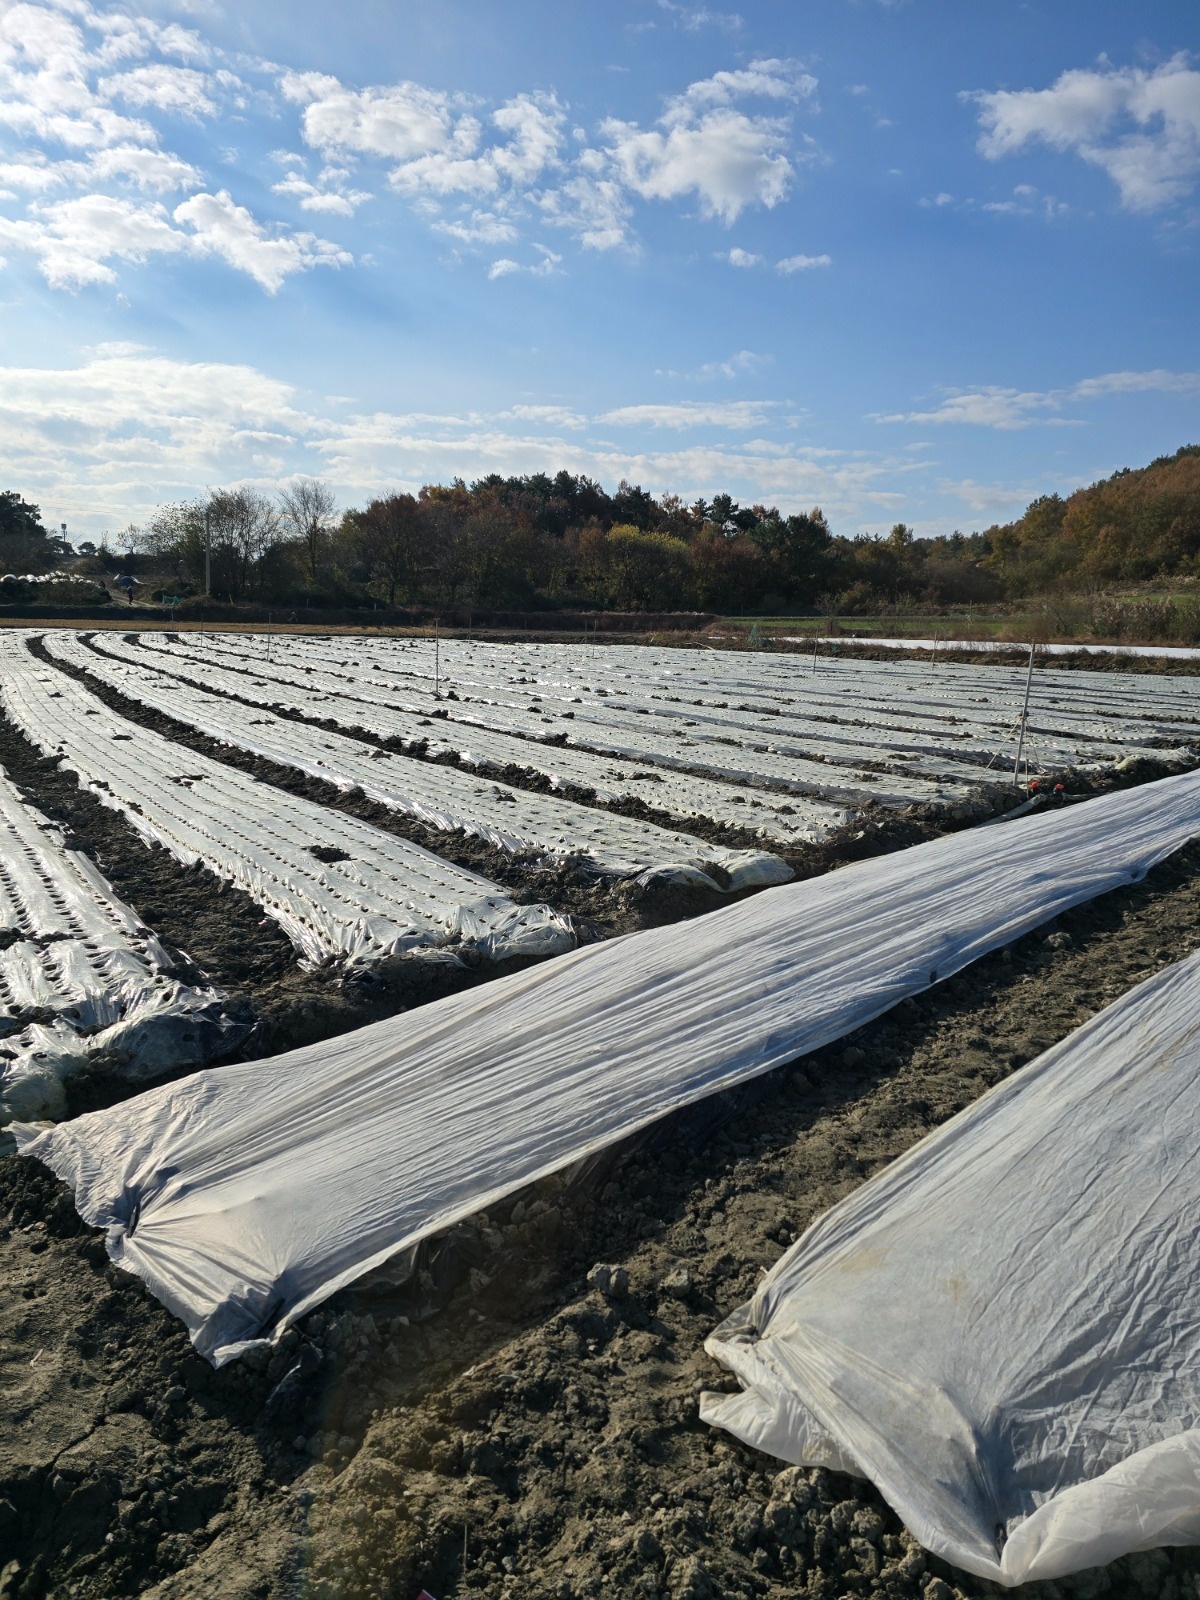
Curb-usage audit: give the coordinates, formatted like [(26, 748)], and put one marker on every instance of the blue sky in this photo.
[(917, 260)]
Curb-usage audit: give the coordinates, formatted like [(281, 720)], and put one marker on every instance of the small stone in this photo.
[(611, 1281), (677, 1283), (936, 1589), (852, 1056), (1059, 941)]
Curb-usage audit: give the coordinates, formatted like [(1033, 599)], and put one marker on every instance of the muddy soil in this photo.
[(500, 1427)]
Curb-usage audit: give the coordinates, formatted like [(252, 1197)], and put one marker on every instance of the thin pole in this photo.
[(437, 659), (1024, 720)]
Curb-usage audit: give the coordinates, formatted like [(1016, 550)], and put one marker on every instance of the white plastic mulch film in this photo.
[(1002, 1329), (245, 1197), (338, 887), (759, 741), (80, 976), (443, 797)]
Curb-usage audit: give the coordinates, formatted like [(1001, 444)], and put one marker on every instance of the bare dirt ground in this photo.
[(500, 1427), (552, 1429)]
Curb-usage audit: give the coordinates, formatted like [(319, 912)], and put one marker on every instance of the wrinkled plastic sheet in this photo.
[(247, 1196), (511, 819), (844, 712), (80, 976), (729, 753), (1002, 1329), (339, 888), (290, 686)]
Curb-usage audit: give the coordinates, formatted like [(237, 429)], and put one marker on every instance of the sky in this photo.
[(908, 260)]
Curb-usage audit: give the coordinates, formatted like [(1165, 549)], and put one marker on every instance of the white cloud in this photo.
[(791, 264), (988, 499), (767, 79), (741, 362), (533, 124), (1141, 127), (991, 407), (228, 230), (594, 207), (141, 429), (155, 170), (727, 159), (704, 146), (147, 169), (322, 197), (167, 88), (693, 18), (436, 147), (552, 416), (75, 240), (1008, 409), (401, 122), (737, 257), (35, 174), (45, 88), (547, 267), (1159, 381), (103, 443), (735, 414), (481, 227)]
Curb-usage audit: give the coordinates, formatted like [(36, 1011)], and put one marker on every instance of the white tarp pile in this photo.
[(245, 1197), (443, 797), (339, 888), (1002, 1330), (80, 976)]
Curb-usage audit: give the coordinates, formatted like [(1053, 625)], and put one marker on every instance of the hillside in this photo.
[(1141, 523)]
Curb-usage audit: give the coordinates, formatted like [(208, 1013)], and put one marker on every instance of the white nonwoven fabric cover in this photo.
[(1002, 1329), (80, 977), (245, 1196)]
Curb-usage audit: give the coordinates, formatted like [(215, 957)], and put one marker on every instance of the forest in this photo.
[(540, 543)]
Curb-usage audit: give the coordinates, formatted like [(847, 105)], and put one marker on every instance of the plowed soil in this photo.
[(503, 1428)]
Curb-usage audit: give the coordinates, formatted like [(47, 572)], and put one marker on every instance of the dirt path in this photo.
[(500, 1400)]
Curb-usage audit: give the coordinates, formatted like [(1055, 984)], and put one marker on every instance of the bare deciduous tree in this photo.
[(243, 526), (308, 508)]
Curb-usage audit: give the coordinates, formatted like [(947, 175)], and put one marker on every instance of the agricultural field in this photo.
[(224, 846)]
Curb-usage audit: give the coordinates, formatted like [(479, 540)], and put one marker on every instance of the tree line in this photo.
[(538, 542)]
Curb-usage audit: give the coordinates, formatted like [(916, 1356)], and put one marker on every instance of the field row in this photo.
[(783, 755), (508, 818), (79, 974), (758, 743), (339, 888)]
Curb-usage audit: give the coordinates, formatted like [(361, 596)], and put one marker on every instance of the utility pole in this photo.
[(437, 658), (208, 553)]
